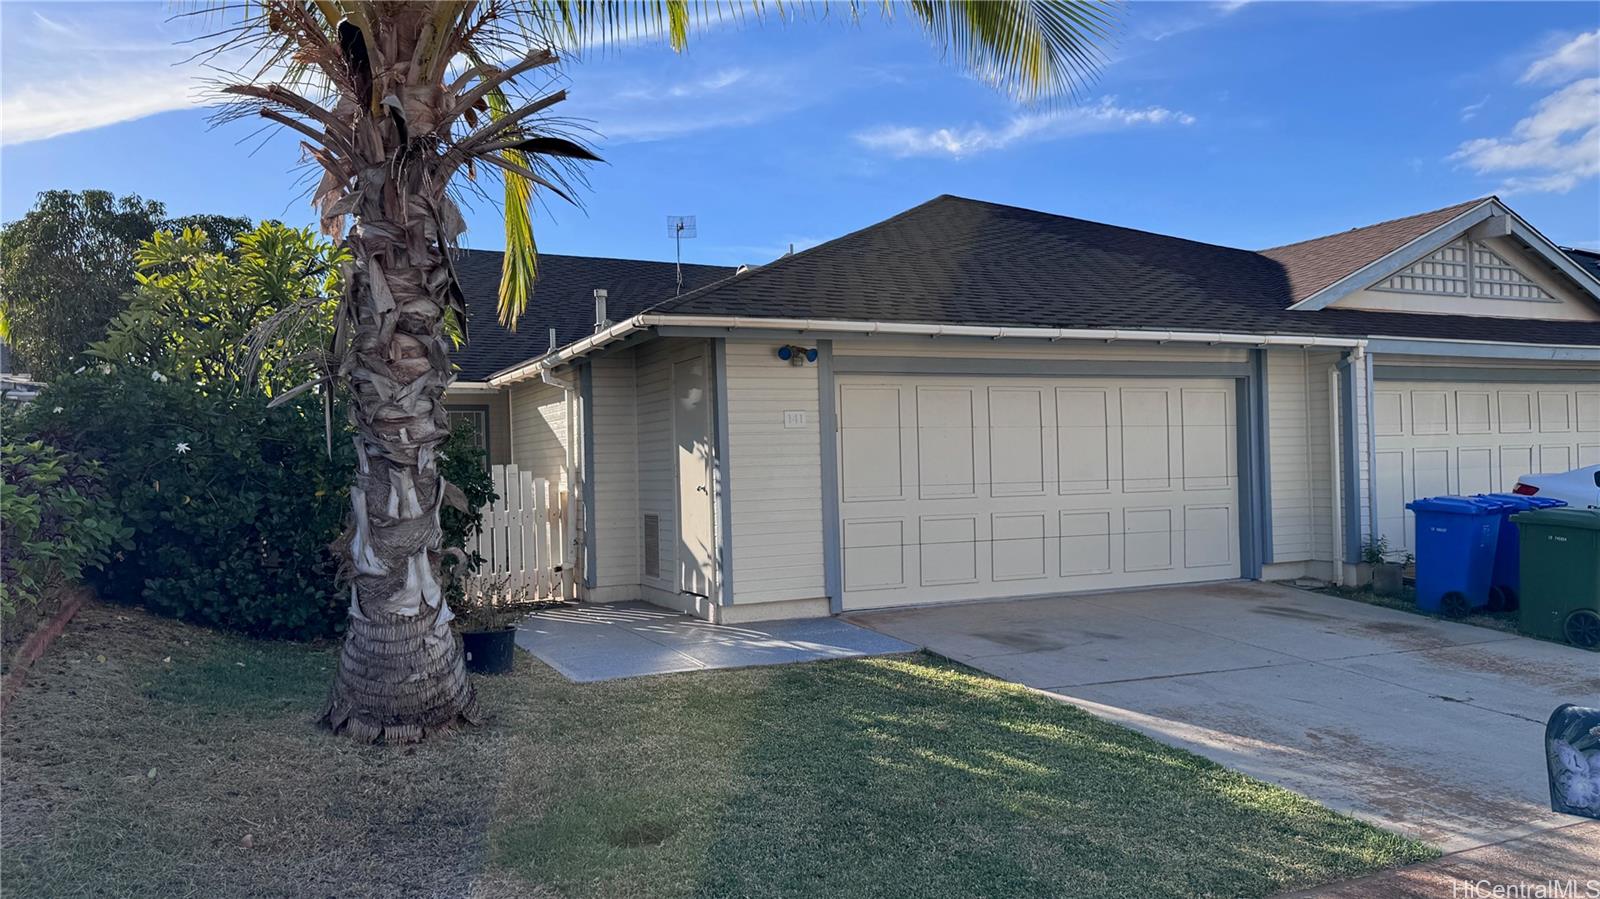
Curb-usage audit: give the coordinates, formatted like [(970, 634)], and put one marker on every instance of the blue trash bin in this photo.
[(1505, 580), (1455, 543)]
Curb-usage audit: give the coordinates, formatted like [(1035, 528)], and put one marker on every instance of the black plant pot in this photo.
[(489, 652)]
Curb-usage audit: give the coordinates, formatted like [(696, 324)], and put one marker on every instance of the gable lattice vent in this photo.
[(1496, 279), (1443, 271), (652, 544)]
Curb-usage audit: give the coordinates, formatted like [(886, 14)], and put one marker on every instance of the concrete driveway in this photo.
[(1430, 728)]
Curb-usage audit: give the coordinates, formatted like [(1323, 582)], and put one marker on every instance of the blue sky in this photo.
[(1246, 124)]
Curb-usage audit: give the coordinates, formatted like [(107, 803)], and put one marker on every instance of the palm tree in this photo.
[(401, 104)]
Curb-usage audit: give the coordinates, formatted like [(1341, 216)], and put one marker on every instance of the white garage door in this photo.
[(963, 488), (1436, 437)]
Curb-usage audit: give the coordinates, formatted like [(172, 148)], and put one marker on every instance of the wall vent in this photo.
[(652, 545)]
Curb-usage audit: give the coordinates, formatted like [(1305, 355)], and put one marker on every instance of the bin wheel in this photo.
[(1583, 628), (1454, 604), (1503, 599)]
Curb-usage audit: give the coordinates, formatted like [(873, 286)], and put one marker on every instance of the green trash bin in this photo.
[(1561, 574)]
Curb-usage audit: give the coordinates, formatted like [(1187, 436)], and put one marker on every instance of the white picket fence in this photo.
[(525, 535)]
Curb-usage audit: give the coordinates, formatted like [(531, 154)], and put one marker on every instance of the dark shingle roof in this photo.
[(563, 298), (1588, 260), (1320, 262), (959, 261)]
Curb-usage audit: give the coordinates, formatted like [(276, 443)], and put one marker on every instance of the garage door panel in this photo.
[(1391, 491), (947, 458), (1430, 472), (1018, 486), (1018, 546), (1146, 440), (1475, 470), (1554, 459), (1588, 407), (1085, 543), (1388, 413), (1497, 433), (1588, 454), (1516, 412), (1430, 412), (1515, 461), (948, 549), (1472, 412), (1207, 452), (1083, 440), (870, 448), (1207, 536), (1555, 412), (1016, 441), (1147, 539), (874, 554)]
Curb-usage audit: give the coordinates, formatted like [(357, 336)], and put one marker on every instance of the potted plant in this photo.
[(1387, 576), (486, 617)]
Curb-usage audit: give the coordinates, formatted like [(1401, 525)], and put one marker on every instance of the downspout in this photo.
[(1336, 473), (1362, 356)]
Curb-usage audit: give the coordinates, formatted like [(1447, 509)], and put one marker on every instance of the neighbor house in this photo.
[(971, 401)]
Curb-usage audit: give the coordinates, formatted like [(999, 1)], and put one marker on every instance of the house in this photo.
[(971, 401)]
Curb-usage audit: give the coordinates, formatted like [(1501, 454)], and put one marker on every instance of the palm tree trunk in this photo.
[(400, 672)]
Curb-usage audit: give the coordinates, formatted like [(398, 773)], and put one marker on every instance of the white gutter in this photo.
[(645, 321)]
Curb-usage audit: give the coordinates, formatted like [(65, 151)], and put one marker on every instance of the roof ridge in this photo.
[(1414, 215), (1129, 228), (759, 270)]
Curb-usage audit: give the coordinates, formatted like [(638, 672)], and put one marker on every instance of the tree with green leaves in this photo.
[(67, 265), (401, 105), (259, 315)]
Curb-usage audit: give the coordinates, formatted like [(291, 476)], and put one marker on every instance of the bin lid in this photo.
[(1518, 501), (1458, 505), (1588, 519)]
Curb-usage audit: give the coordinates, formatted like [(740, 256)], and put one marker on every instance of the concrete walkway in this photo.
[(1562, 856), (604, 642), (1431, 728)]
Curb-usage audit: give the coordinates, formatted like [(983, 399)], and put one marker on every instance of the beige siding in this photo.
[(657, 492), (1319, 450), (539, 430), (775, 476), (616, 472), (1288, 437), (1298, 434)]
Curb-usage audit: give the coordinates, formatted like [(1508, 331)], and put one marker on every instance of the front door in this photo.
[(691, 428)]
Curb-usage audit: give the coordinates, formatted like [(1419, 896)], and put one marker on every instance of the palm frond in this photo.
[(1030, 48)]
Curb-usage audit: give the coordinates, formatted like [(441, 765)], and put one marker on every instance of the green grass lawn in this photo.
[(142, 753)]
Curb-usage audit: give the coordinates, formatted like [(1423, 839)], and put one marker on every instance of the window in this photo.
[(478, 417)]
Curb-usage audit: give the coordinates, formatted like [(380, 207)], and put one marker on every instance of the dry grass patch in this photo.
[(145, 752)]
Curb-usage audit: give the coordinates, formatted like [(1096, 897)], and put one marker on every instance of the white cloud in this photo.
[(1471, 110), (1552, 150), (902, 141), (635, 109), (1576, 58), (73, 70)]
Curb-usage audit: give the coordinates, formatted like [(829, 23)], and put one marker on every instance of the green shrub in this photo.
[(58, 522), (232, 505)]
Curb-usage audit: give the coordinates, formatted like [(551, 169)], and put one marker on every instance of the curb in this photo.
[(36, 644)]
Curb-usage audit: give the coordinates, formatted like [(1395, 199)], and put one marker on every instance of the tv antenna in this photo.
[(680, 228)]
